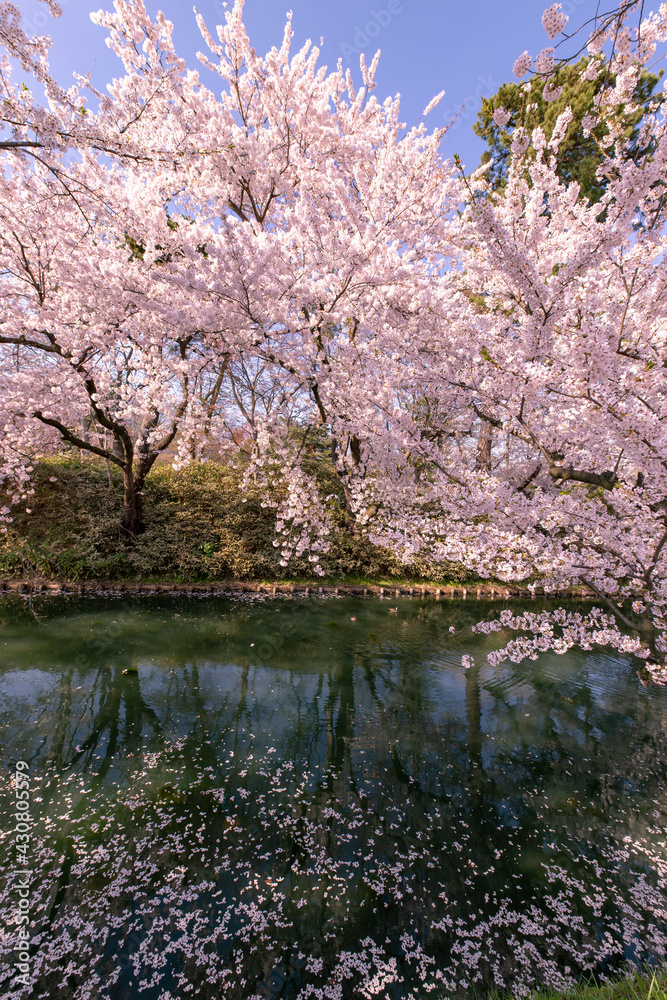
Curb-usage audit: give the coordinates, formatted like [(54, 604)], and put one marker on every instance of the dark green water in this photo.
[(276, 801)]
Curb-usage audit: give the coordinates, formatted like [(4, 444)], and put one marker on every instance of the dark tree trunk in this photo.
[(484, 444), (132, 523), (135, 466)]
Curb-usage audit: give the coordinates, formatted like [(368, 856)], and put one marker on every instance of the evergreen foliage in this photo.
[(579, 155)]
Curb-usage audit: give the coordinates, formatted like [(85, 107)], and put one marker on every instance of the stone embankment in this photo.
[(472, 591)]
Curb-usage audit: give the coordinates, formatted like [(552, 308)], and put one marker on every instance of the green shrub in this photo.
[(200, 525)]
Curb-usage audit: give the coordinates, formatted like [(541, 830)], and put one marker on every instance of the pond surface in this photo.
[(314, 799)]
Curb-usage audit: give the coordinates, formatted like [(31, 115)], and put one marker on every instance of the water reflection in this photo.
[(276, 800)]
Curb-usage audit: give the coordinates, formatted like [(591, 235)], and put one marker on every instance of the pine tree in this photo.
[(579, 155)]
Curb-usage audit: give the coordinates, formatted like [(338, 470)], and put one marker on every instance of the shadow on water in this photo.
[(314, 799)]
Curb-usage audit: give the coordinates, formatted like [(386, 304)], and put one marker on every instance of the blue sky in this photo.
[(466, 48)]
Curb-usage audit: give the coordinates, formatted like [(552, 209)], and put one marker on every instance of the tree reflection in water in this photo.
[(337, 810)]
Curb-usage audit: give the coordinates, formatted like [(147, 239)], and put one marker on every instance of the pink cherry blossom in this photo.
[(554, 20), (522, 64), (501, 117)]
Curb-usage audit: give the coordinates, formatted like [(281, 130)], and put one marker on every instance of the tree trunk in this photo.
[(646, 630), (484, 444), (132, 523)]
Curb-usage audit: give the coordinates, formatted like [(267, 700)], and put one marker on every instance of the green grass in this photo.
[(632, 986)]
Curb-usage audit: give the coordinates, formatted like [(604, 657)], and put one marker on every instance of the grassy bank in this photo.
[(200, 527), (635, 986)]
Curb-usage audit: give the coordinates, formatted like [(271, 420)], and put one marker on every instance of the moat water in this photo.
[(314, 799)]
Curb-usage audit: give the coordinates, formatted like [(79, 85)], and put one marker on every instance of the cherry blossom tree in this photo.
[(558, 347), (91, 356), (519, 426), (286, 222)]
